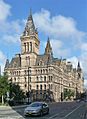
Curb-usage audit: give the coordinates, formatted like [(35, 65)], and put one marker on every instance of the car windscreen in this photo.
[(35, 105)]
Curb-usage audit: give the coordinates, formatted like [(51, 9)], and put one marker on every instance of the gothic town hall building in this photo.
[(42, 76)]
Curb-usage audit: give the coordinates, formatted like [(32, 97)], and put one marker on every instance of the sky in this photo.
[(63, 21)]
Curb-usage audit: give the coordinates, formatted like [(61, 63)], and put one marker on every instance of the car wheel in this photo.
[(41, 113)]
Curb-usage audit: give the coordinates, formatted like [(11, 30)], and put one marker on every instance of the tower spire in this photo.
[(30, 27), (48, 49), (78, 66)]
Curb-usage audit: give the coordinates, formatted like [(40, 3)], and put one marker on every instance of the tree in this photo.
[(4, 86), (16, 94), (68, 93)]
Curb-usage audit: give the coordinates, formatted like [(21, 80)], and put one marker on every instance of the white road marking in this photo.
[(72, 111), (52, 117), (56, 115)]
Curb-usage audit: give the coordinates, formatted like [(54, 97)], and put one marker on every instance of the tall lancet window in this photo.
[(24, 47), (30, 46)]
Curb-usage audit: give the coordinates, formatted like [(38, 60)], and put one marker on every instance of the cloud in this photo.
[(11, 38), (58, 50), (83, 58), (2, 60), (84, 47), (4, 10), (2, 57), (85, 83), (11, 31), (57, 26), (60, 28), (74, 61)]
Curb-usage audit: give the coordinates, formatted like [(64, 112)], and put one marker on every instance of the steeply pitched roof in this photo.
[(7, 63), (30, 27), (43, 60), (15, 62), (48, 49)]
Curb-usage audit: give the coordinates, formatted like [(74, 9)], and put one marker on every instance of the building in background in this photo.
[(43, 76)]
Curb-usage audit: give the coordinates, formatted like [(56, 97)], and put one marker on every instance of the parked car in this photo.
[(37, 108)]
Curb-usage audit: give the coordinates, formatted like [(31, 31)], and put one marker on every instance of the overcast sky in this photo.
[(63, 21)]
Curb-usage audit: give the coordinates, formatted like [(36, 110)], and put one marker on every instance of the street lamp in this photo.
[(9, 94), (10, 82), (48, 90), (28, 63)]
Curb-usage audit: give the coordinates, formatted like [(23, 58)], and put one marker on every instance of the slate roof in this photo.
[(15, 62), (46, 59)]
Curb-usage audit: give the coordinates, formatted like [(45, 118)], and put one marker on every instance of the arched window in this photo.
[(40, 87), (24, 47), (41, 78), (37, 87), (25, 72), (49, 78), (41, 71), (49, 86), (44, 78), (46, 71), (37, 78), (30, 46), (36, 71), (19, 72), (25, 79), (44, 86), (25, 85), (15, 79)]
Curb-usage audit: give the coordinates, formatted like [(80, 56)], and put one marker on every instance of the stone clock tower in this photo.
[(29, 43)]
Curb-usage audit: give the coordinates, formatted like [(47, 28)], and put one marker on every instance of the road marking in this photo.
[(52, 117), (56, 115), (72, 111)]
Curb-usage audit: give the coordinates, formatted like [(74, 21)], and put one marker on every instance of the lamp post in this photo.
[(28, 85), (48, 90), (28, 63), (10, 82)]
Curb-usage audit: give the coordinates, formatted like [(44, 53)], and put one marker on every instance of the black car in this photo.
[(37, 108)]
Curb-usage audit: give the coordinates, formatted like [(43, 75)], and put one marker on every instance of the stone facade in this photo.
[(43, 76)]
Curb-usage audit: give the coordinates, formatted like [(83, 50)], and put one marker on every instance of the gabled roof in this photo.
[(43, 59), (15, 62)]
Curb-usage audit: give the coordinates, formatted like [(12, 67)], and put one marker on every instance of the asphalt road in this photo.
[(64, 110)]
